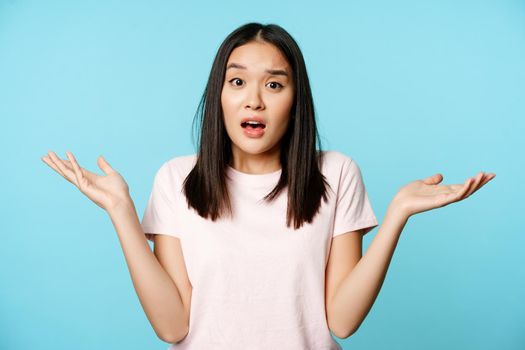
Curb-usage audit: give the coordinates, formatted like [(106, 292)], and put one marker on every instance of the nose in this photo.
[(254, 100)]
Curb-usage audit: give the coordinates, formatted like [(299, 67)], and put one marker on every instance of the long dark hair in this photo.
[(205, 187)]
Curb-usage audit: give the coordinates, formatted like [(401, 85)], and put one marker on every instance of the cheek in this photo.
[(229, 102), (284, 106), (226, 108), (224, 100), (228, 112)]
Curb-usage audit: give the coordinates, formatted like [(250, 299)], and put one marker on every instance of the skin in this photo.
[(254, 91), (352, 281)]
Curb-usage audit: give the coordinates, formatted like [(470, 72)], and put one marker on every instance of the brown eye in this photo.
[(274, 85), (235, 81)]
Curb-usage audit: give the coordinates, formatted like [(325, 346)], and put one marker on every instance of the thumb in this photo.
[(433, 180), (104, 165)]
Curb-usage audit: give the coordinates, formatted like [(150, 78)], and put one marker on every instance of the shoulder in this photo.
[(177, 167), (339, 168), (335, 162), (335, 157), (182, 163)]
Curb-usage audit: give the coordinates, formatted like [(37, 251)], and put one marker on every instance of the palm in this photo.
[(102, 188), (105, 190), (422, 195)]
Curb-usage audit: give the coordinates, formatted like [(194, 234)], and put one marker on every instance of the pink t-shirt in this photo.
[(257, 284)]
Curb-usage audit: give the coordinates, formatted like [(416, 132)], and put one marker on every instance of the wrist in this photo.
[(398, 210), (123, 204)]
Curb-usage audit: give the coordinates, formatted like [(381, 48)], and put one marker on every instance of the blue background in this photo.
[(406, 88)]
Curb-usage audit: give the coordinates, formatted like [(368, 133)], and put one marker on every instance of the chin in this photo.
[(253, 149)]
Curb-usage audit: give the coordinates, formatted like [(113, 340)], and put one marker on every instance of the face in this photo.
[(258, 86)]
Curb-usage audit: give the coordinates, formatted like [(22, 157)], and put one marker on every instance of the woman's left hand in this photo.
[(423, 195)]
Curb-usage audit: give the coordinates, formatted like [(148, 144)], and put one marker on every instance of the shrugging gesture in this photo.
[(107, 191), (358, 290), (423, 195)]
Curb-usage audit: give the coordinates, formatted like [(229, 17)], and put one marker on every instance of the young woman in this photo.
[(258, 236)]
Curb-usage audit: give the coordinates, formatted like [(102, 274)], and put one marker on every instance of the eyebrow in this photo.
[(271, 71)]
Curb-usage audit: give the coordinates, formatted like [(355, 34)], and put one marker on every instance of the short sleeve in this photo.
[(160, 215), (353, 209)]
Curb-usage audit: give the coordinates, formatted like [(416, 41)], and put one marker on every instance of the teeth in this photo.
[(253, 123)]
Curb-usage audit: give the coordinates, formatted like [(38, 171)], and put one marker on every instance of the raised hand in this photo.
[(107, 191), (423, 195)]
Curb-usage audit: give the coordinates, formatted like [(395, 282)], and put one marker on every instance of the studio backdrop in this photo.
[(407, 89)]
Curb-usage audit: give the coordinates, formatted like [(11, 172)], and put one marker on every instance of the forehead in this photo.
[(258, 55)]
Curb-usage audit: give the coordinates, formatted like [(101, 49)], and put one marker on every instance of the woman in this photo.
[(257, 237)]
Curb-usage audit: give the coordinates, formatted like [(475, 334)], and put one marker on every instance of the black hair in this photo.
[(205, 187)]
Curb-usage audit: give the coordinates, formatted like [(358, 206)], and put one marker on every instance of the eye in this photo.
[(275, 85), (234, 81)]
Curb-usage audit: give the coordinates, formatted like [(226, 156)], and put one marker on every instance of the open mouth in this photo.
[(253, 125)]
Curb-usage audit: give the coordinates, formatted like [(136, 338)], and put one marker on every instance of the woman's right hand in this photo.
[(107, 191)]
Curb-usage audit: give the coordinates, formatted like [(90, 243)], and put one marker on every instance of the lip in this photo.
[(253, 133), (254, 118), (257, 132)]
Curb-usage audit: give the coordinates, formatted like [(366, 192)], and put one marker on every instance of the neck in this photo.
[(262, 163)]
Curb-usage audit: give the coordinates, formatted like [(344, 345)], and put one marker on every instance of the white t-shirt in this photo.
[(257, 284)]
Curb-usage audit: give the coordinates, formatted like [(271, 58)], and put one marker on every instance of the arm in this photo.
[(157, 292), (359, 289)]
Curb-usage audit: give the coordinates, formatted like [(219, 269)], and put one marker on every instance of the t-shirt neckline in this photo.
[(253, 179)]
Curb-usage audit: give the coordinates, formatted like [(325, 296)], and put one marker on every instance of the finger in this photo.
[(68, 174), (76, 169), (486, 178), (475, 185), (52, 165), (433, 180), (69, 165), (483, 179), (55, 166), (455, 193), (104, 165), (466, 187)]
